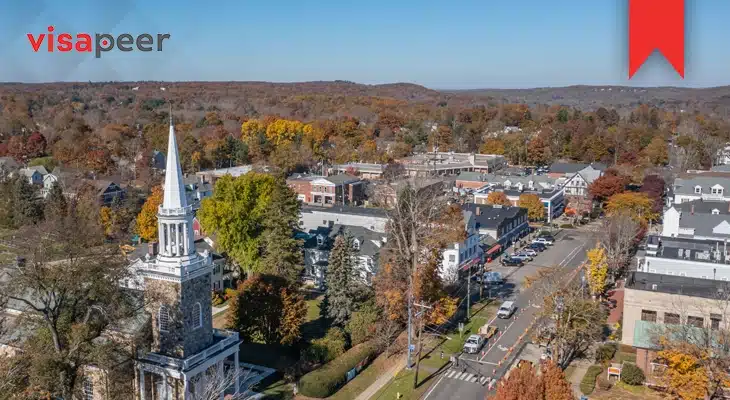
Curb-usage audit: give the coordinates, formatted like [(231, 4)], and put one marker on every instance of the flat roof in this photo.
[(682, 285)]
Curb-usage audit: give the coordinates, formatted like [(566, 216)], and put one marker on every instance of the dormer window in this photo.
[(320, 240), (356, 244), (698, 189), (715, 211), (717, 189)]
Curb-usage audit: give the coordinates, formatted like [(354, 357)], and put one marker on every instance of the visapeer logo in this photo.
[(102, 43)]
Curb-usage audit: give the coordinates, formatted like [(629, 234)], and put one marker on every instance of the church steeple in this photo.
[(174, 196)]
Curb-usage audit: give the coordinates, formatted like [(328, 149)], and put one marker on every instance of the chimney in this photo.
[(152, 248), (479, 210)]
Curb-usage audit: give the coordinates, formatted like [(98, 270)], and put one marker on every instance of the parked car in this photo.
[(512, 262), (521, 256), (537, 246), (473, 344), (506, 310), (546, 234), (544, 240), (530, 252), (493, 278)]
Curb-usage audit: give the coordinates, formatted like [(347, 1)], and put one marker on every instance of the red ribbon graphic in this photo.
[(656, 25)]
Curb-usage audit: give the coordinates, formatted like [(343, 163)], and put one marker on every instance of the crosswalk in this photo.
[(466, 377)]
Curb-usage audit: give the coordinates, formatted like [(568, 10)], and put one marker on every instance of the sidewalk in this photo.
[(581, 366), (383, 380)]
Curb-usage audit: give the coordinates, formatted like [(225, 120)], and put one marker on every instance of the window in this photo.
[(715, 321), (163, 319), (452, 258), (197, 316), (698, 189), (671, 318), (88, 389), (695, 321), (715, 211), (356, 244), (647, 315)]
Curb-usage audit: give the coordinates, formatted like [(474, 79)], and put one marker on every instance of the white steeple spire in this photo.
[(174, 196)]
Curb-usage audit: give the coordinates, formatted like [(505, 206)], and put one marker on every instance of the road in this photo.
[(469, 380)]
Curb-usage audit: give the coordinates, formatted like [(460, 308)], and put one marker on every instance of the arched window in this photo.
[(163, 318), (88, 389), (197, 316)]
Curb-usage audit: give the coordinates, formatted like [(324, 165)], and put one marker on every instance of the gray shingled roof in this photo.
[(687, 185)]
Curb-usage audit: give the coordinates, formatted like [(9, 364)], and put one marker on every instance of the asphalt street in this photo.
[(470, 379)]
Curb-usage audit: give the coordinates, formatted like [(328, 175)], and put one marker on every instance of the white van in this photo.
[(506, 310)]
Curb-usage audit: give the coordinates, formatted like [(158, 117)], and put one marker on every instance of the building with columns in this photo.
[(185, 350)]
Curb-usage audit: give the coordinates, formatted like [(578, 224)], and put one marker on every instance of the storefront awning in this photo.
[(494, 249)]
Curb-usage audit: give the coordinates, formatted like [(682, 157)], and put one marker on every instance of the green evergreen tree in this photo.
[(340, 283), (27, 206), (282, 253), (55, 202)]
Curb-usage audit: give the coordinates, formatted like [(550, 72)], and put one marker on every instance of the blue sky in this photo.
[(439, 44)]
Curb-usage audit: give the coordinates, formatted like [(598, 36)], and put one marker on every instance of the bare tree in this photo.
[(569, 320), (618, 237), (212, 384), (71, 290)]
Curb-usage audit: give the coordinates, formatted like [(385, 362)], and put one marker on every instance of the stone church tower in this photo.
[(177, 292)]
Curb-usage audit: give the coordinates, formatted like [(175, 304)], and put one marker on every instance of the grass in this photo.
[(403, 384), (366, 378), (622, 391), (274, 387), (268, 355), (313, 308), (622, 357), (569, 371)]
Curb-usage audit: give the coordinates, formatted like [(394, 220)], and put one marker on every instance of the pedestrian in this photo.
[(442, 354)]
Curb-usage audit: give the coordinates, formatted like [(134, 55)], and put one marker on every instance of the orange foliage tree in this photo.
[(498, 198)]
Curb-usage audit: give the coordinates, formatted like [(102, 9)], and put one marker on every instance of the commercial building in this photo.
[(701, 186), (341, 189), (553, 199), (658, 306), (499, 226), (313, 217), (692, 258)]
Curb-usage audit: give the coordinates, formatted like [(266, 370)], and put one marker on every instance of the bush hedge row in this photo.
[(325, 381), (588, 383)]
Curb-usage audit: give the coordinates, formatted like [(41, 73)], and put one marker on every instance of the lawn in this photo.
[(403, 384), (621, 391), (569, 371), (274, 387), (366, 378)]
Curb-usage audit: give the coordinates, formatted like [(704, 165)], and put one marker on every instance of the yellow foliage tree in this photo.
[(597, 270), (106, 218), (535, 208), (685, 376), (492, 146), (498, 198), (637, 205), (147, 218), (251, 129)]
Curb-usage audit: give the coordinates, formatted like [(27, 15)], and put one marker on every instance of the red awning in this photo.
[(494, 249)]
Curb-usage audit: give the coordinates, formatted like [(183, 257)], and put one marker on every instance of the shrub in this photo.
[(588, 383), (325, 381), (217, 298), (567, 226), (632, 375), (327, 348), (229, 294), (605, 352), (362, 324), (603, 382)]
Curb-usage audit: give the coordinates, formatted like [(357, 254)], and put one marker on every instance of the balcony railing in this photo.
[(230, 338), (175, 211)]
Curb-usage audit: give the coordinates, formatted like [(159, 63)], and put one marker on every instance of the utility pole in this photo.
[(420, 343), (409, 363), (468, 295)]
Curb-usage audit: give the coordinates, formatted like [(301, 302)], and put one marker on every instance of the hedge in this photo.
[(325, 381), (605, 352), (632, 375), (588, 383)]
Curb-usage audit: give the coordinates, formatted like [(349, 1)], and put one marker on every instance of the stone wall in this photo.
[(194, 291), (157, 293)]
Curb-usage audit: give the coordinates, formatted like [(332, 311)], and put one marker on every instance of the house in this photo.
[(8, 166), (318, 245), (723, 155), (656, 305), (560, 169), (158, 160), (692, 258), (552, 198), (72, 181), (313, 217), (450, 163), (501, 225), (577, 183), (697, 219), (34, 175), (458, 258), (197, 189), (705, 186)]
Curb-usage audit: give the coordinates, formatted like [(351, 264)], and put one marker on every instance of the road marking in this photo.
[(434, 387), (467, 377), (498, 339), (473, 379), (450, 374), (483, 380)]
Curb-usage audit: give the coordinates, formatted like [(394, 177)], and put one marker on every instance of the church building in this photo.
[(186, 349)]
